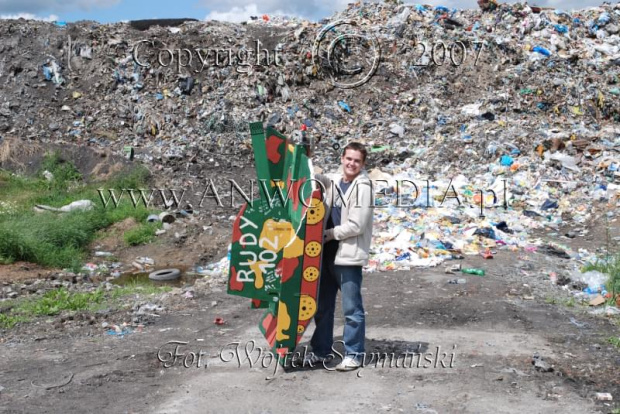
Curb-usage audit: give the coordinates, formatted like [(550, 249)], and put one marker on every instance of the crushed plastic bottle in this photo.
[(541, 50), (472, 271)]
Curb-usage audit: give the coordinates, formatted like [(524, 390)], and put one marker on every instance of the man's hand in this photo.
[(328, 235)]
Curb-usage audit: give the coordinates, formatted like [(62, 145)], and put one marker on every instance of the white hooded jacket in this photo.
[(355, 229)]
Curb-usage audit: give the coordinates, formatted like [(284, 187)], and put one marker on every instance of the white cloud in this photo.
[(241, 10), (36, 6), (235, 15), (28, 16), (242, 14)]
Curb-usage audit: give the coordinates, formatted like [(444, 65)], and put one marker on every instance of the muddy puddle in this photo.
[(187, 278)]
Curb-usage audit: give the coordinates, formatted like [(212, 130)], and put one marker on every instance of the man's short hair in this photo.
[(356, 146)]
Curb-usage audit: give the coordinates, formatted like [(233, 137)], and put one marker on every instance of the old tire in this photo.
[(165, 274)]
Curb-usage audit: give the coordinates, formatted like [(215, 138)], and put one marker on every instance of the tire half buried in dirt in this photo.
[(165, 274)]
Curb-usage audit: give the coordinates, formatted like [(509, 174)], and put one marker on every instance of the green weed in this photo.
[(9, 321), (570, 302), (58, 300), (143, 234), (136, 287), (551, 301), (61, 239), (64, 172)]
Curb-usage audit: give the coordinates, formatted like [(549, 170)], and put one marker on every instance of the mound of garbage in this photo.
[(512, 98)]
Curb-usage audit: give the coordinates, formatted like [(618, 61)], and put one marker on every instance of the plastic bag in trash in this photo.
[(594, 279), (549, 205), (489, 233), (541, 50)]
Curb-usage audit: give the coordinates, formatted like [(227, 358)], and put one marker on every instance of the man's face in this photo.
[(352, 164)]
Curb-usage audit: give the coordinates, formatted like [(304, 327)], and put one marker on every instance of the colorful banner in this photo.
[(277, 240)]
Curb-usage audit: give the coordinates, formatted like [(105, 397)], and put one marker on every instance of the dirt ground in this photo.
[(489, 329)]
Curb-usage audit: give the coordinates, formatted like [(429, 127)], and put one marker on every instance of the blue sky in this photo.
[(109, 11)]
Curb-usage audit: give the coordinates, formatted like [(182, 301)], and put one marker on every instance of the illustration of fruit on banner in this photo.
[(277, 240)]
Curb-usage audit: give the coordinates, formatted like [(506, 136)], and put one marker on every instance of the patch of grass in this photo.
[(143, 234), (58, 300), (136, 287), (615, 341), (134, 179), (9, 321), (61, 239), (570, 302), (551, 301), (64, 172), (49, 239), (51, 303), (55, 301), (123, 211), (16, 192)]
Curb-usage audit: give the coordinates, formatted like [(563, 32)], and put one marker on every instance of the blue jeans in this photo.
[(349, 280)]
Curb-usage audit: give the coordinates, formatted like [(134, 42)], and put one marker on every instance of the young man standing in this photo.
[(348, 201)]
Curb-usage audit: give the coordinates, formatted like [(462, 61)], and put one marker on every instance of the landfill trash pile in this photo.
[(518, 99)]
